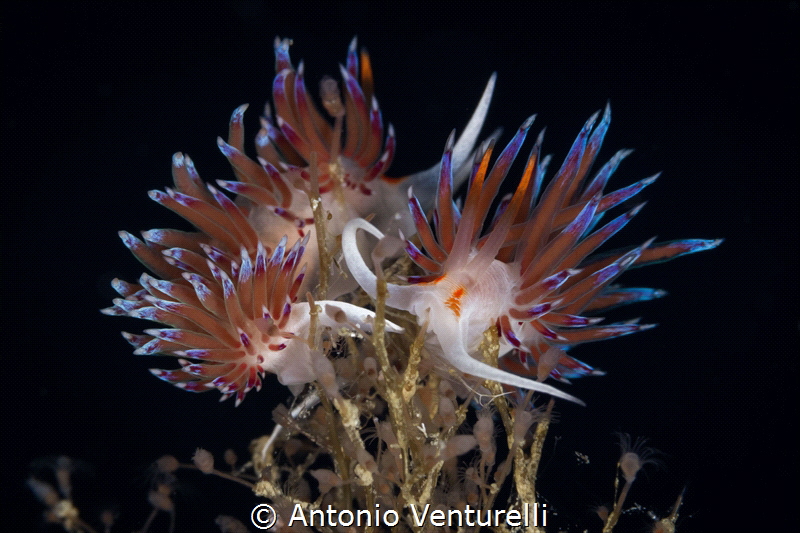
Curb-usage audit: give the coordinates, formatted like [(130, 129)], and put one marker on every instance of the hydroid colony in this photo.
[(389, 307)]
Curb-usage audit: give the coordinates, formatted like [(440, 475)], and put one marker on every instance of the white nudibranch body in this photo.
[(458, 308)]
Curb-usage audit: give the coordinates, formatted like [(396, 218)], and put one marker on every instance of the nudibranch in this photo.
[(532, 273), (231, 319), (220, 345), (303, 156)]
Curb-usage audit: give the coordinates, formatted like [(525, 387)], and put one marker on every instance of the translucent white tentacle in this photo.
[(454, 353), (425, 182), (466, 143), (399, 297), (336, 313)]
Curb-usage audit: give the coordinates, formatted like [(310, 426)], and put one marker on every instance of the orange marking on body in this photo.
[(454, 302)]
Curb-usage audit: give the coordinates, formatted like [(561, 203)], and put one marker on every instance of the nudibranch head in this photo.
[(532, 273)]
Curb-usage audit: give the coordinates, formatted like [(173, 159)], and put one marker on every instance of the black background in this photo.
[(98, 97)]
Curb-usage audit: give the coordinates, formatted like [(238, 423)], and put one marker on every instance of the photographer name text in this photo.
[(529, 515)]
